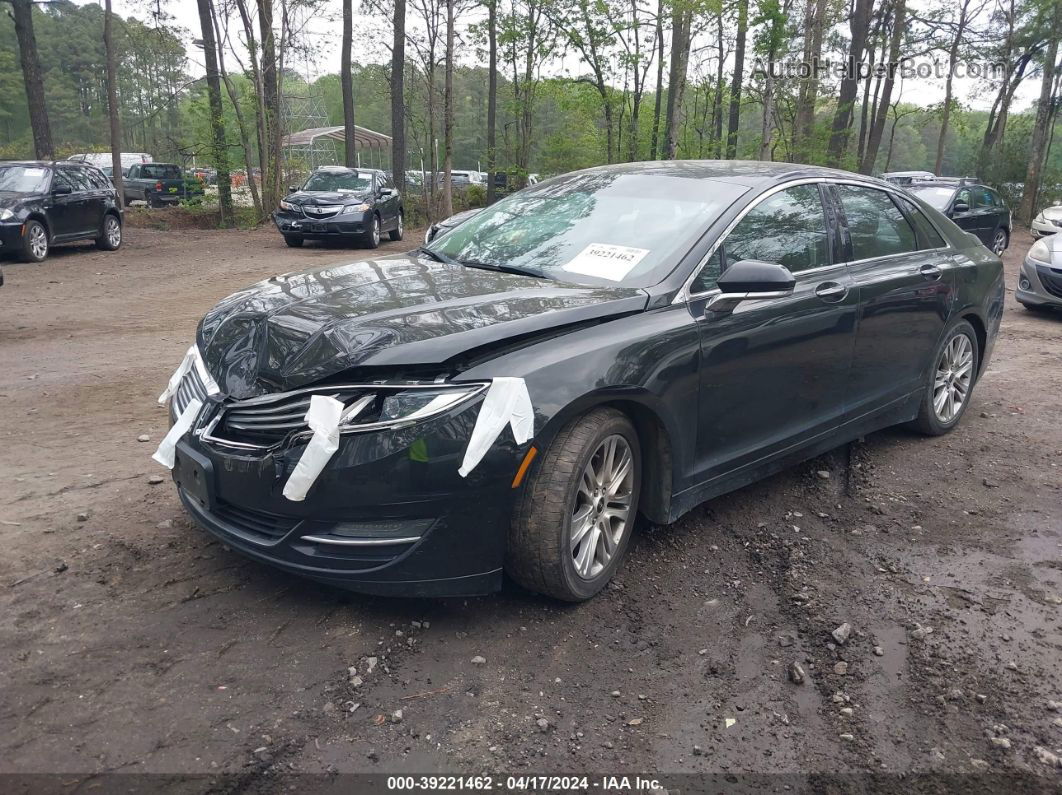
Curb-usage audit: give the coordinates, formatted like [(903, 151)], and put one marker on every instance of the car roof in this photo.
[(749, 173)]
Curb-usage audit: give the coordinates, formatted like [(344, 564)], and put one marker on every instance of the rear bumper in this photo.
[(350, 225), (389, 514)]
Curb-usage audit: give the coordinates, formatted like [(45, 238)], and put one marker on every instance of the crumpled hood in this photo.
[(328, 197), (296, 329)]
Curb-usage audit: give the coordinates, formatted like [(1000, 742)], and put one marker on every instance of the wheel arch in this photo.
[(42, 219), (981, 331)]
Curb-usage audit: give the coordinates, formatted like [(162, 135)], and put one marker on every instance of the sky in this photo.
[(370, 32)]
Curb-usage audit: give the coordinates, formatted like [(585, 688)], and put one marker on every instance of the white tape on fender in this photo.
[(178, 374), (165, 454), (323, 419), (506, 403)]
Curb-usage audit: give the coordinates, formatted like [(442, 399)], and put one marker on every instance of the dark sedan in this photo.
[(622, 341), (973, 207), (46, 203), (342, 203)]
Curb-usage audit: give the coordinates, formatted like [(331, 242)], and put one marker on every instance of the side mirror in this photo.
[(750, 279), (960, 207), (292, 189), (61, 190), (386, 192)]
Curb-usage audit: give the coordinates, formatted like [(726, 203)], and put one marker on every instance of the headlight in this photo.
[(288, 206), (1040, 252), (6, 215), (401, 407), (355, 208)]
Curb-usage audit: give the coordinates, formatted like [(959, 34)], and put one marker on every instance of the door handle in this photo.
[(930, 272), (831, 292)]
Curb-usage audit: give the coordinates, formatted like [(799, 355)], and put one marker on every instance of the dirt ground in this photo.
[(132, 642)]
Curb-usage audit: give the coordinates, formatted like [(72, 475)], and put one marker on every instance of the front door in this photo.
[(969, 217), (65, 212), (904, 279), (774, 371)]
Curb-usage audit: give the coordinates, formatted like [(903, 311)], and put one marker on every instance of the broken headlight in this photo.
[(404, 406)]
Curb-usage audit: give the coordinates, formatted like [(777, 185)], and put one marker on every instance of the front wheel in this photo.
[(573, 522), (398, 231), (295, 241), (372, 237), (999, 242), (950, 382), (110, 235), (34, 242)]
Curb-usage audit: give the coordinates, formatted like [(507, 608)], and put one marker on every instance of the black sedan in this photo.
[(975, 208), (630, 339), (46, 203), (342, 203)]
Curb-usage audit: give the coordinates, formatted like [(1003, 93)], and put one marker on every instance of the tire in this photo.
[(1000, 241), (152, 202), (934, 421), (397, 233), (540, 554), (295, 241), (372, 238), (110, 238), (35, 244)]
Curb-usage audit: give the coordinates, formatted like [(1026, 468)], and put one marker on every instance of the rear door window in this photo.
[(156, 171), (930, 237), (876, 227)]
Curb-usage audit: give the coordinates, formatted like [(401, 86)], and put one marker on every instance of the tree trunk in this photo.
[(1040, 133), (448, 116), (112, 104), (654, 140), (398, 96), (259, 90), (271, 160), (953, 53), (33, 79), (804, 120), (492, 97), (241, 122), (218, 151), (717, 100), (735, 84), (842, 118), (676, 83), (877, 126), (347, 82)]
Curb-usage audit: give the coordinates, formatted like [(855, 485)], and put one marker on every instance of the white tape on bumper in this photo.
[(507, 403), (165, 454), (323, 419), (178, 374)]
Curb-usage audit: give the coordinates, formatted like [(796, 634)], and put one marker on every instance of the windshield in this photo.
[(334, 181), (935, 197), (593, 228), (24, 179)]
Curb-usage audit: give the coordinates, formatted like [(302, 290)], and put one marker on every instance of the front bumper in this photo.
[(349, 225), (1039, 285), (10, 235), (388, 515)]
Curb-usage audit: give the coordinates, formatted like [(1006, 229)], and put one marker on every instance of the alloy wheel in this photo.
[(401, 229), (954, 376), (999, 243), (38, 242), (113, 232), (601, 513), (376, 230)]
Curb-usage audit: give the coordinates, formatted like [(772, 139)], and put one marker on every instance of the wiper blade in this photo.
[(433, 255), (501, 268)]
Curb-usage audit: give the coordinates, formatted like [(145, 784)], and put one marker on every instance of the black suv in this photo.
[(338, 202), (43, 203), (972, 206)]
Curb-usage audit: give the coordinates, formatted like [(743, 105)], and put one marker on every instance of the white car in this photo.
[(1048, 221)]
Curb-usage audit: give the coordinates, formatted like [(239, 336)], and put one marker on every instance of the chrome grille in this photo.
[(190, 388), (321, 211), (270, 422)]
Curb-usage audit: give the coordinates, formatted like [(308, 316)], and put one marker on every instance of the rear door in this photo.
[(903, 272), (96, 195), (774, 372)]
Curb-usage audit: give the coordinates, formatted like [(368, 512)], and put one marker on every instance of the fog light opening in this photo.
[(1024, 283)]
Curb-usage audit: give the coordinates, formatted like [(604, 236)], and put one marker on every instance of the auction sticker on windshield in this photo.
[(606, 261)]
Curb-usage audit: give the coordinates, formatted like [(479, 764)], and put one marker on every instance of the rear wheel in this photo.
[(111, 234), (398, 231), (372, 237), (34, 242), (574, 520), (999, 242), (295, 241), (950, 382)]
